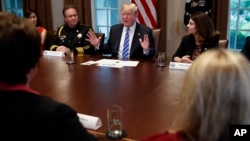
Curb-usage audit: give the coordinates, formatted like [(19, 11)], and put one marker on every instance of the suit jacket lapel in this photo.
[(135, 40), (119, 33)]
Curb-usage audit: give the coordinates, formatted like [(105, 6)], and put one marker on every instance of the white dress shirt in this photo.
[(131, 35)]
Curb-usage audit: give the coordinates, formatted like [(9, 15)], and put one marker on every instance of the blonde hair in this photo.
[(215, 94), (130, 6)]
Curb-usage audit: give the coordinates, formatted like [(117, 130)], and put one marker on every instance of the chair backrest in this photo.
[(157, 35), (223, 43), (102, 40), (49, 37)]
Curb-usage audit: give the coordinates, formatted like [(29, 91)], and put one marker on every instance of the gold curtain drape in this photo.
[(84, 10), (219, 15), (43, 8)]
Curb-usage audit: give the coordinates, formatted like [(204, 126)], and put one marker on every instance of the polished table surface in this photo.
[(147, 94)]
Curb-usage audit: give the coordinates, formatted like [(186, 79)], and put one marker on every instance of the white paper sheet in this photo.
[(129, 63), (112, 63), (109, 63), (88, 63)]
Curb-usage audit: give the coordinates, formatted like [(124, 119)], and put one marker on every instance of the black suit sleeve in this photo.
[(67, 125), (186, 47)]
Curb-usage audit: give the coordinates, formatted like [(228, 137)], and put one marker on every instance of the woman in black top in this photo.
[(201, 37)]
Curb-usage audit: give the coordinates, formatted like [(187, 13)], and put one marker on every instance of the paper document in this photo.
[(129, 63), (109, 63), (89, 63), (112, 63)]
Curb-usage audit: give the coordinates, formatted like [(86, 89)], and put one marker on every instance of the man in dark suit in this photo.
[(25, 114), (246, 49), (140, 41)]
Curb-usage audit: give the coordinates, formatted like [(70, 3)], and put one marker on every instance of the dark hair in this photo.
[(27, 13), (204, 25), (20, 48), (68, 7)]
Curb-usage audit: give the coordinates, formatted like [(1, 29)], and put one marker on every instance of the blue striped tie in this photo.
[(126, 45)]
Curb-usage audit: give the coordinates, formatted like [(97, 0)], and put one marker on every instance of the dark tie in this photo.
[(126, 45)]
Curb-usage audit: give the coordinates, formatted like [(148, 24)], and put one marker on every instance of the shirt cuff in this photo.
[(146, 52), (97, 47)]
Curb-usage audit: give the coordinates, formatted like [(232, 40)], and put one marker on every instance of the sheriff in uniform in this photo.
[(74, 36)]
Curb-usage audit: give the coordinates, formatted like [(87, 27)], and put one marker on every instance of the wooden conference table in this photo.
[(147, 94)]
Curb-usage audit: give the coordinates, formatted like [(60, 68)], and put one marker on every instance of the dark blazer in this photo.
[(27, 116), (73, 38), (187, 45), (136, 51), (246, 49)]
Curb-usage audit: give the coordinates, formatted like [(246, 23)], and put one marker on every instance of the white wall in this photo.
[(175, 25), (57, 17)]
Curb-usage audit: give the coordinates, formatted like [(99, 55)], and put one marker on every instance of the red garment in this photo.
[(166, 136), (40, 29), (22, 87)]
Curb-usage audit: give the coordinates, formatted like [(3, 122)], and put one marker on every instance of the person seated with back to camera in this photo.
[(214, 95), (201, 37), (25, 113)]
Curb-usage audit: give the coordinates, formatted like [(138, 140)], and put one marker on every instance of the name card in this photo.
[(53, 53), (90, 122), (176, 65)]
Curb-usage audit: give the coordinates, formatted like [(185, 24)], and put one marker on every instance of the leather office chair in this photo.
[(49, 37), (157, 35), (223, 43)]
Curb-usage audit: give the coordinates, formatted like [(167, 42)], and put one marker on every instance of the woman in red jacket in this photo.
[(31, 15)]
